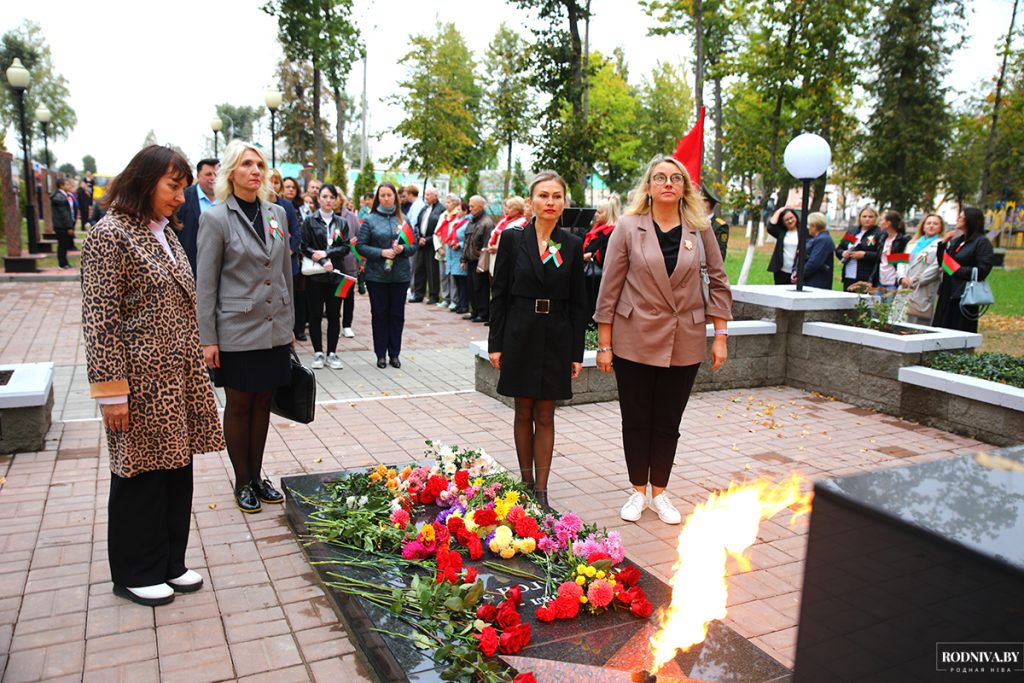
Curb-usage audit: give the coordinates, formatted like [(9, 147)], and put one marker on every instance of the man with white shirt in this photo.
[(412, 216), (198, 199), (428, 281)]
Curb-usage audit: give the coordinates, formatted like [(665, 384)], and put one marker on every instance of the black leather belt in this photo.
[(540, 306)]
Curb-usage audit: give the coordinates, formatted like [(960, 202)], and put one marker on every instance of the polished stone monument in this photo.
[(911, 568), (608, 647)]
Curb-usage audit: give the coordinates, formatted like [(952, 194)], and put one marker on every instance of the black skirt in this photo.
[(259, 370)]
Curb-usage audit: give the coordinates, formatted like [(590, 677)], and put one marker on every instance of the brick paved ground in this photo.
[(261, 615)]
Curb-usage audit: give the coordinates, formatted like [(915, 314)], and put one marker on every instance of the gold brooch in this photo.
[(688, 244)]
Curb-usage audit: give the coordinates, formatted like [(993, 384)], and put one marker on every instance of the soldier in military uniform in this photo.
[(720, 227)]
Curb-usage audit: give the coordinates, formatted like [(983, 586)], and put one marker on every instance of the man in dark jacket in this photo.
[(478, 232), (64, 209), (198, 198), (720, 227), (428, 281)]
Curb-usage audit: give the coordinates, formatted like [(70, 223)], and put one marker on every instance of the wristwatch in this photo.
[(602, 349)]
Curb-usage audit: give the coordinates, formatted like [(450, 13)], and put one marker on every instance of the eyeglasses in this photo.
[(661, 179)]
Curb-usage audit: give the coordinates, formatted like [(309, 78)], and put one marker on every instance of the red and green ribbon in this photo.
[(871, 240), (552, 254), (902, 257), (949, 263), (275, 229), (343, 288), (405, 234)]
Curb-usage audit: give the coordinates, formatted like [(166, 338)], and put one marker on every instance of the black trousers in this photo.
[(320, 296), (781, 277), (65, 243), (147, 530), (651, 402), (471, 277), (461, 293), (301, 304), (387, 316), (481, 293), (428, 275), (348, 308)]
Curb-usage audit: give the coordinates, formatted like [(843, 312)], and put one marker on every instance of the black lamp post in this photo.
[(273, 99), (216, 125), (807, 156), (19, 78), (43, 117)]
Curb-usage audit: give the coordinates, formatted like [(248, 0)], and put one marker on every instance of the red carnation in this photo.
[(641, 608), (507, 615), (629, 576), (527, 677), (487, 613), (594, 557), (628, 597), (441, 533), (545, 614), (462, 480), (513, 640), (485, 517), (426, 498), (470, 575), (436, 484), (488, 640), (456, 525), (514, 595), (476, 548), (526, 527), (565, 608)]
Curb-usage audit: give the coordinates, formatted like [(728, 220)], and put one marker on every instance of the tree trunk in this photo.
[(987, 168), (340, 106), (318, 134), (719, 175), (818, 188)]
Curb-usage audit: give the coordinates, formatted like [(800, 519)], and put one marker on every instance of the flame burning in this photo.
[(726, 524)]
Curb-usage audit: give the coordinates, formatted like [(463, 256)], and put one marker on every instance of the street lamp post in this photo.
[(19, 77), (43, 117), (807, 157), (273, 99), (216, 125)]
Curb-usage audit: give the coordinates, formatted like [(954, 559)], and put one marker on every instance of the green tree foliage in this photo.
[(47, 87), (899, 164), (519, 183), (339, 174), (566, 142), (962, 162), (366, 181), (88, 163), (441, 101), (67, 169), (666, 111), (1006, 181), (239, 121), (613, 122), (319, 32), (509, 112), (295, 116)]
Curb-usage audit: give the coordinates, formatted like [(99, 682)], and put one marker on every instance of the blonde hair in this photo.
[(920, 226), (610, 207), (233, 154), (817, 218), (516, 203), (691, 204), (545, 176)]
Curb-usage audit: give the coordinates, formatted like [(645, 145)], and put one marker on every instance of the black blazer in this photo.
[(314, 238), (537, 349), (598, 246), (778, 231), (188, 214), (434, 212), (871, 244), (899, 245), (62, 214)]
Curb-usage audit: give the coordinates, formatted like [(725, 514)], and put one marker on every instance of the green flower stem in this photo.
[(518, 573)]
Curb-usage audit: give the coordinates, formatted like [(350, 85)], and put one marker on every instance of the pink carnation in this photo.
[(414, 550), (600, 593), (400, 518)]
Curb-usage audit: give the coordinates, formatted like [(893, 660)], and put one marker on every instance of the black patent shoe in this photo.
[(395, 363), (542, 498), (381, 363), (246, 500), (266, 492)]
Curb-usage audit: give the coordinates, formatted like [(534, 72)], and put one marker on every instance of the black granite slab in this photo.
[(903, 559), (616, 642)]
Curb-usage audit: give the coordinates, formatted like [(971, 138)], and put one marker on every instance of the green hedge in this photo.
[(997, 367)]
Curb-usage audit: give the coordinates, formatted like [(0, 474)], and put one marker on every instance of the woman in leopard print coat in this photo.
[(145, 367)]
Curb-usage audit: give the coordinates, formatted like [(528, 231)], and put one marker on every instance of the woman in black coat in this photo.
[(890, 269), (959, 252), (783, 227), (538, 319), (858, 249)]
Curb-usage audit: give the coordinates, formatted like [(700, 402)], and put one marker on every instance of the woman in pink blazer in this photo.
[(651, 311)]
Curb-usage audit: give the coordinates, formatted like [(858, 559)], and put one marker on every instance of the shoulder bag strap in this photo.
[(705, 279)]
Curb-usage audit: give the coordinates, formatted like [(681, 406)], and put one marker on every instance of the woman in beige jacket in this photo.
[(651, 310)]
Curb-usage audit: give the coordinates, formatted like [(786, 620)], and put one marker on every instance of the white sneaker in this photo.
[(150, 596), (665, 509), (634, 507), (348, 333), (452, 307), (318, 360), (442, 304), (187, 583), (333, 361)]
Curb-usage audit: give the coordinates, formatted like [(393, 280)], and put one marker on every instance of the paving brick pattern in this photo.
[(261, 615)]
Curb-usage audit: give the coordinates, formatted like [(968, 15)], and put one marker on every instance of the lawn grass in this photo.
[(49, 261)]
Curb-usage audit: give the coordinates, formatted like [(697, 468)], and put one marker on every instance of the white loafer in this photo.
[(149, 596), (189, 582), (634, 507)]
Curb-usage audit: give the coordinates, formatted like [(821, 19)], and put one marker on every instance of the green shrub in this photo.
[(997, 367)]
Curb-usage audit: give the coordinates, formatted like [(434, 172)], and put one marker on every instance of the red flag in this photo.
[(344, 286), (405, 234), (900, 257), (690, 150)]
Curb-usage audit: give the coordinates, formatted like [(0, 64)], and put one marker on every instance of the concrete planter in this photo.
[(985, 410), (26, 403)]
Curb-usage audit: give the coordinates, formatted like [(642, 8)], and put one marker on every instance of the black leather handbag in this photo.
[(297, 399)]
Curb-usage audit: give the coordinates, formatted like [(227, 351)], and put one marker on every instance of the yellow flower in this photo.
[(512, 497), (583, 599), (580, 569), (528, 545), (503, 535), (494, 546), (404, 474), (392, 473), (382, 469), (471, 526), (580, 580), (479, 481), (611, 582), (508, 553), (427, 533), (375, 476), (501, 509), (590, 572), (600, 574), (392, 484)]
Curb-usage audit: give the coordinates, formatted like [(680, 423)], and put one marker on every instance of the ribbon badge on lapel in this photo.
[(275, 229), (552, 253), (871, 240)]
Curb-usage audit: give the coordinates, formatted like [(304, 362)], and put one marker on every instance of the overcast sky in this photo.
[(133, 65)]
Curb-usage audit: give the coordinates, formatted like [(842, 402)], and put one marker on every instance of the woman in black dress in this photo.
[(959, 252), (538, 319)]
